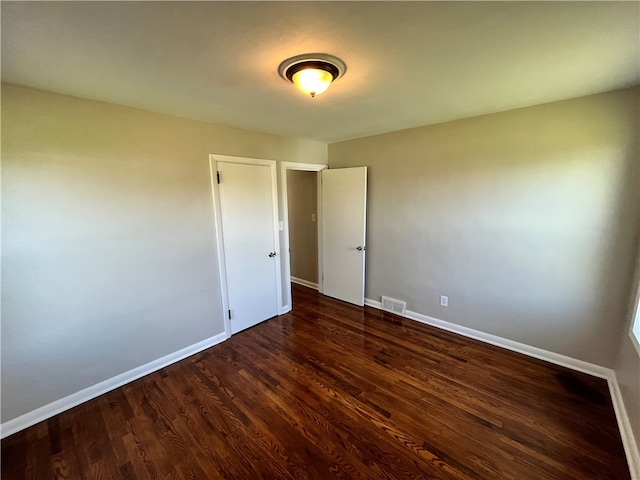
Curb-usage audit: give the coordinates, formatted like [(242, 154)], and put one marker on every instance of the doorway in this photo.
[(302, 195), (341, 228), (312, 172)]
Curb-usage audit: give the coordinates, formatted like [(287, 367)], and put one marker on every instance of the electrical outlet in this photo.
[(444, 301), (313, 217)]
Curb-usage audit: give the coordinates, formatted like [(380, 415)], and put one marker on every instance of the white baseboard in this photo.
[(47, 411), (558, 359), (285, 309), (628, 440), (631, 447), (373, 303), (531, 351), (305, 283)]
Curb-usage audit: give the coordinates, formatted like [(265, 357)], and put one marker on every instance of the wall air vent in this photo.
[(394, 306)]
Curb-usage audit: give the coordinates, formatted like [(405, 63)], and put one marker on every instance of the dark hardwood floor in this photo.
[(335, 391)]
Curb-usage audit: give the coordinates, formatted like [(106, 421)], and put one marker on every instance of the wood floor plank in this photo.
[(331, 390)]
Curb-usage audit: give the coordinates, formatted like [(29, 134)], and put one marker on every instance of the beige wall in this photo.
[(302, 196), (108, 253), (525, 219)]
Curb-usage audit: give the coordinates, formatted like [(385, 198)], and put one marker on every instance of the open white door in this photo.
[(247, 212), (344, 211)]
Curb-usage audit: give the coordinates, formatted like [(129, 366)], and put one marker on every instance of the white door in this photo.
[(344, 211), (249, 241)]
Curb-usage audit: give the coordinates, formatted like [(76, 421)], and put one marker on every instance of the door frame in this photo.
[(217, 213), (307, 167)]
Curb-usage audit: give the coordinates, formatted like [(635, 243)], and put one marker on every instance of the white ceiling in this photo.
[(408, 63)]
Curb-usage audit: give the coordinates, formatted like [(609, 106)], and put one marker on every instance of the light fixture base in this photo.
[(339, 65)]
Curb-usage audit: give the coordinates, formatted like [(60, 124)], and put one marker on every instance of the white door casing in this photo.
[(245, 204), (344, 209)]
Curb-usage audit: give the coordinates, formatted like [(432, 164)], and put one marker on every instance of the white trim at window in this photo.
[(634, 331)]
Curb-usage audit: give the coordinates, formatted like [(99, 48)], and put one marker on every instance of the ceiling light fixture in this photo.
[(312, 73)]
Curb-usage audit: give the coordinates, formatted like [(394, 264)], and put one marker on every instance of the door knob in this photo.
[(360, 248), (272, 254)]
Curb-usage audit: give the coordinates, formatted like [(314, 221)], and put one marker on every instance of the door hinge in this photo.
[(229, 314), (218, 176)]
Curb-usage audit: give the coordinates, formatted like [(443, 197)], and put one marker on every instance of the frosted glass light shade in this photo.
[(312, 81), (312, 73)]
